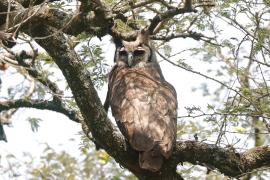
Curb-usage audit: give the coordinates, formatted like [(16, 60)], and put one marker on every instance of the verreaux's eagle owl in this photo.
[(143, 104)]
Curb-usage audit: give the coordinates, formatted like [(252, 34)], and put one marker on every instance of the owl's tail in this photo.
[(151, 160)]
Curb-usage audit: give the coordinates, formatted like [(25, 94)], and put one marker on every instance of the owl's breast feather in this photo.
[(145, 105)]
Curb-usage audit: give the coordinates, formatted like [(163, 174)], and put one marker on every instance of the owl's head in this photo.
[(134, 53)]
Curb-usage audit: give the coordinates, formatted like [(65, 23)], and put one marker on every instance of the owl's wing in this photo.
[(145, 110), (106, 104), (163, 120), (126, 105)]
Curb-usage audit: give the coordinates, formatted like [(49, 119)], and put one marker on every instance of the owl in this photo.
[(143, 104)]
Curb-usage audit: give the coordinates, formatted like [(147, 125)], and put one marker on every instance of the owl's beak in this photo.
[(130, 59)]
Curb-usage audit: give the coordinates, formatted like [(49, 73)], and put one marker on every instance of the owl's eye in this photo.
[(139, 52), (122, 53)]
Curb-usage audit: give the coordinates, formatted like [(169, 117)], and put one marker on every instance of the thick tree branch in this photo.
[(256, 158), (226, 160), (169, 14), (42, 105), (27, 3)]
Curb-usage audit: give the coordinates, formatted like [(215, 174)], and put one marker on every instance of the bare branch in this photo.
[(190, 34), (223, 114), (169, 14), (42, 105), (245, 30), (18, 59), (195, 72), (125, 9)]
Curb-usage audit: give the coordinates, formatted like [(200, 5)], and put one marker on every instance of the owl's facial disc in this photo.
[(132, 56)]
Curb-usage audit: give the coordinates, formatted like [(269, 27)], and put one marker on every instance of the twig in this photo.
[(167, 14), (198, 73), (253, 171), (17, 26), (8, 14), (189, 34)]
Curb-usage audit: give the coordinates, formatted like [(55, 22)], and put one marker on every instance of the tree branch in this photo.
[(27, 3), (226, 160), (19, 59), (131, 5), (42, 105), (169, 14), (190, 34), (36, 74)]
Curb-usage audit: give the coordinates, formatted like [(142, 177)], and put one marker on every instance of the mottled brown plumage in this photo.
[(143, 103)]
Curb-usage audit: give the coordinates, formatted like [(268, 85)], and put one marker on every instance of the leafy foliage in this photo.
[(91, 164)]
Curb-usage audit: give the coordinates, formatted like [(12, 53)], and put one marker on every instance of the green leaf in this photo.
[(34, 123)]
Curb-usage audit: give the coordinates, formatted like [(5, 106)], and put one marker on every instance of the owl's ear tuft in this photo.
[(117, 41), (143, 36)]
